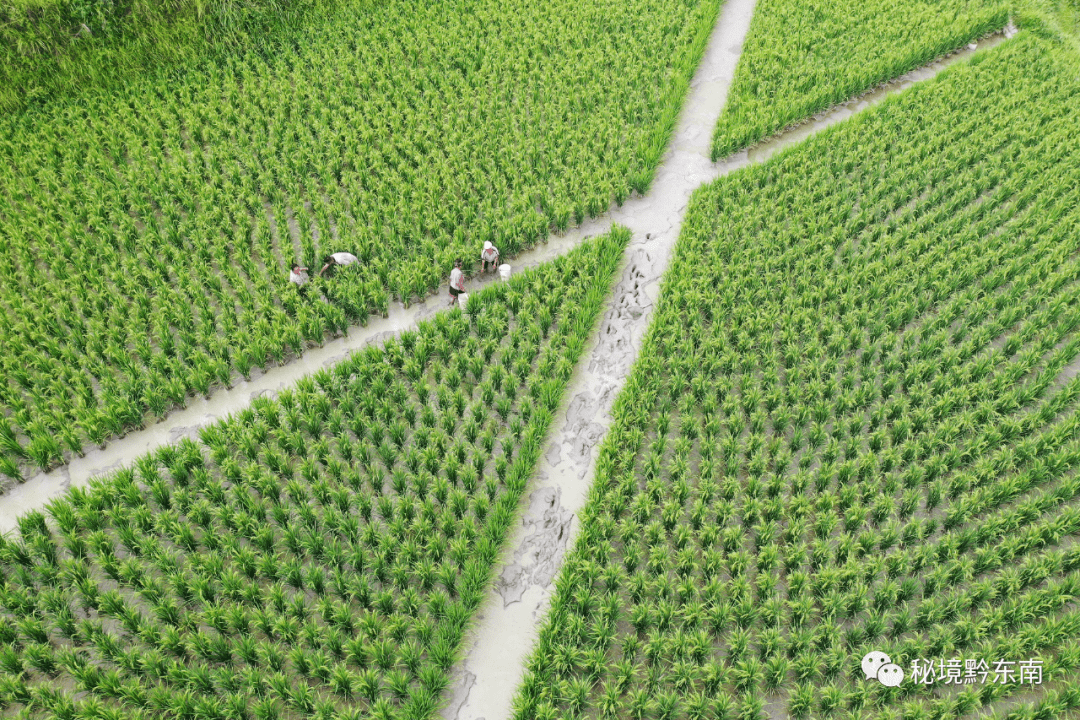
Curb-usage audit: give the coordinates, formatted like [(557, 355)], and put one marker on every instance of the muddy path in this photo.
[(503, 632)]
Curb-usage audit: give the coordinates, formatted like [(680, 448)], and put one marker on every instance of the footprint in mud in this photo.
[(96, 472), (628, 305), (178, 433), (613, 356), (537, 559), (330, 362)]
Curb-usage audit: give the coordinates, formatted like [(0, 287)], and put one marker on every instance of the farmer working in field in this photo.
[(457, 282), (490, 254), (338, 258), (298, 276)]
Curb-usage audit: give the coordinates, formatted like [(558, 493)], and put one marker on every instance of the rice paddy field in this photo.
[(146, 233), (839, 480), (803, 57), (852, 430), (320, 554)]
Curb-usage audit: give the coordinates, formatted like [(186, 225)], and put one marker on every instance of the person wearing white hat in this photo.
[(489, 254)]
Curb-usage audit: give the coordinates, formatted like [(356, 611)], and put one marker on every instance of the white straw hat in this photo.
[(487, 244)]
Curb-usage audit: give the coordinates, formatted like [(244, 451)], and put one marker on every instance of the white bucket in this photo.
[(463, 300), (504, 271)]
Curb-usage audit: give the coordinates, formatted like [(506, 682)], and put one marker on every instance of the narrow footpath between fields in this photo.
[(504, 630), (501, 636)]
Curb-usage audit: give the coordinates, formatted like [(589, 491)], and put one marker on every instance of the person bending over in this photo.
[(298, 276), (490, 254), (338, 258)]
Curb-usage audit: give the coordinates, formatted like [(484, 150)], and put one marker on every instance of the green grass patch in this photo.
[(50, 48)]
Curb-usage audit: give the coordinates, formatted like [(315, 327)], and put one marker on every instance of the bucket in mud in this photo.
[(504, 271), (463, 300)]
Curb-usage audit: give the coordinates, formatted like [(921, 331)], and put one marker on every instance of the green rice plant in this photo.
[(229, 561), (910, 425), (43, 449)]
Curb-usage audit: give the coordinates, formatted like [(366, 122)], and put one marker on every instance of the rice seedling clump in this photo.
[(147, 232), (854, 428), (799, 57), (317, 556)]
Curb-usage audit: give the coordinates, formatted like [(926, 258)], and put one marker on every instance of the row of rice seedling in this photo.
[(852, 427), (802, 57), (147, 234), (318, 555), (65, 46)]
